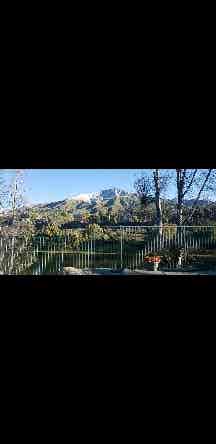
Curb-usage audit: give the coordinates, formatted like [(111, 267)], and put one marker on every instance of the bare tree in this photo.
[(14, 237), (158, 186), (151, 187), (206, 183), (3, 192), (16, 195), (191, 183)]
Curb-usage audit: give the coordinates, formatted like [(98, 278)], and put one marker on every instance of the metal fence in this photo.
[(125, 245), (16, 254), (67, 244), (168, 241), (153, 238)]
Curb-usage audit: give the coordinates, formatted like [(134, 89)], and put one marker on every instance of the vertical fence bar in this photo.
[(121, 238)]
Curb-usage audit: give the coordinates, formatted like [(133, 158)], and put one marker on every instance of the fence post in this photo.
[(121, 228)]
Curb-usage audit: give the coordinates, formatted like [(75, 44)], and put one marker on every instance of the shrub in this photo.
[(52, 230), (110, 234), (170, 256), (76, 238), (94, 231)]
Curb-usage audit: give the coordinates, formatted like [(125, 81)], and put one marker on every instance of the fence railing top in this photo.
[(168, 225), (121, 227)]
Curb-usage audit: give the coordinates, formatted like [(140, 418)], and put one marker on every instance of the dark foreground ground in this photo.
[(106, 271)]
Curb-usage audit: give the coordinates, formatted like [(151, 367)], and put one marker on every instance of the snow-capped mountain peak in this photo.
[(101, 195), (84, 197)]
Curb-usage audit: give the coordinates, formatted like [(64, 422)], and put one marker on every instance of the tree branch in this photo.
[(198, 196), (191, 182)]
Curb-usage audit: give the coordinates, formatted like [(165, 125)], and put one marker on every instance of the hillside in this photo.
[(111, 199), (110, 206)]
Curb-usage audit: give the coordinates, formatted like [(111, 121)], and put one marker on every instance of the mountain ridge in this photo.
[(102, 195), (106, 197), (104, 204)]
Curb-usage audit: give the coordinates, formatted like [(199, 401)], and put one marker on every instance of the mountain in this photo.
[(112, 199), (190, 202), (85, 197), (113, 205), (112, 193), (52, 205), (101, 195), (88, 200)]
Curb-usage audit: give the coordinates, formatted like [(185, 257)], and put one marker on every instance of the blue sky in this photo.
[(47, 185)]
